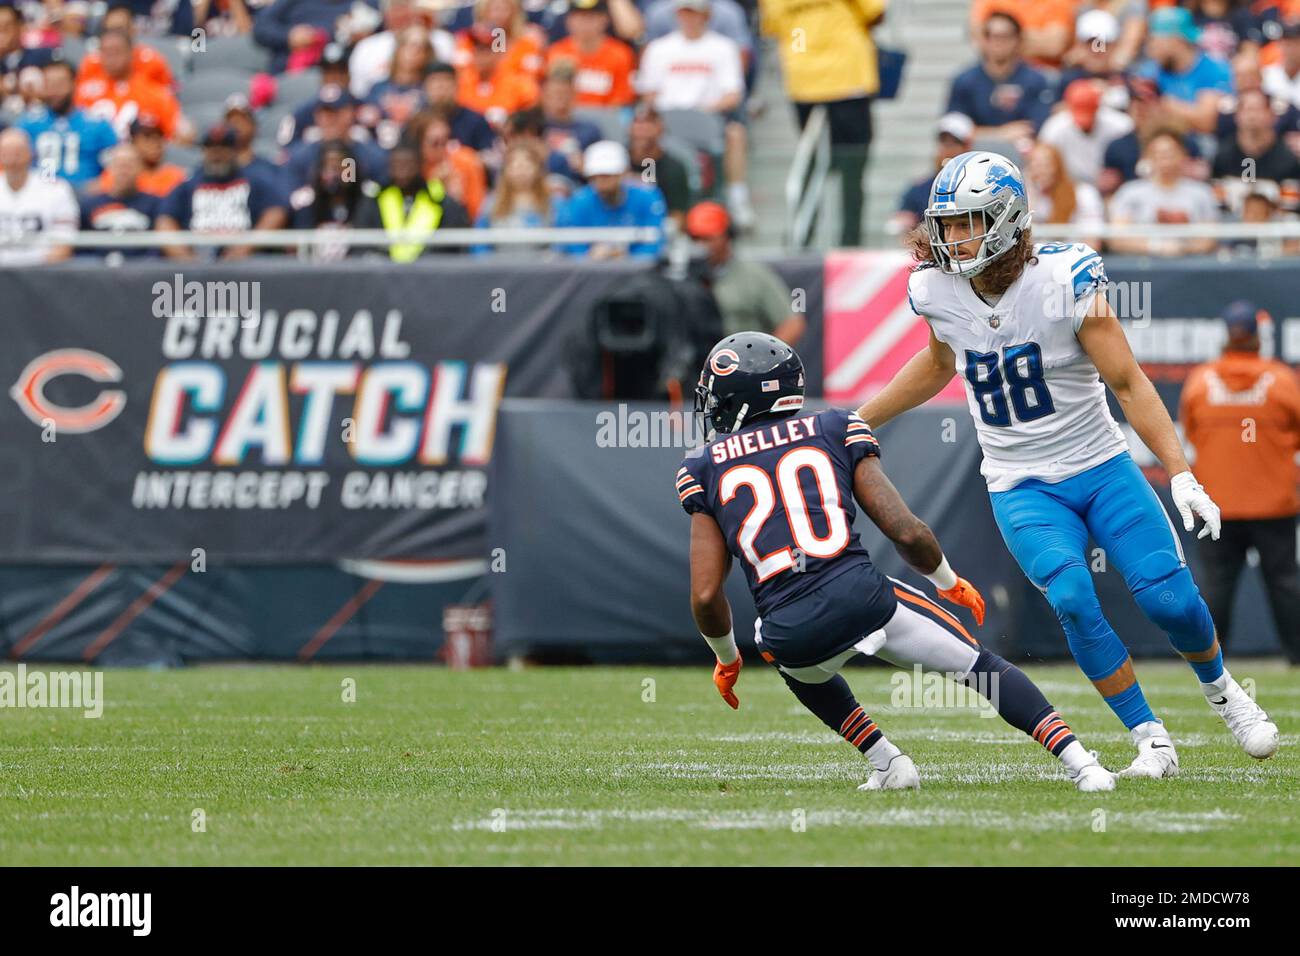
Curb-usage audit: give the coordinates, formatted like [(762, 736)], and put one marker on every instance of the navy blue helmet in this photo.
[(747, 376)]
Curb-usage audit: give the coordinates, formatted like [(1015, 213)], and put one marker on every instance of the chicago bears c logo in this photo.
[(724, 362), (29, 390)]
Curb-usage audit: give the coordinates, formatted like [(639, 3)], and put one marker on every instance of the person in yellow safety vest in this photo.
[(412, 203)]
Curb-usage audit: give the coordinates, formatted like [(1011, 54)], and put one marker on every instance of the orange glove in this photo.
[(724, 678), (964, 593)]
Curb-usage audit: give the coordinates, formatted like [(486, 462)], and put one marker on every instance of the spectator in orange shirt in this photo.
[(1047, 25), (458, 167), (157, 178), (603, 66), (1242, 414), (146, 62), (122, 94), (520, 43), (489, 84)]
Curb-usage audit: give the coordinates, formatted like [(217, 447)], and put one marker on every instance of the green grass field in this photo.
[(574, 766)]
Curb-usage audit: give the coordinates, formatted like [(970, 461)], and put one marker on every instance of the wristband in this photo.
[(724, 647), (943, 577)]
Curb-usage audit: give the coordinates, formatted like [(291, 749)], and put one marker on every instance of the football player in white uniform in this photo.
[(1030, 331)]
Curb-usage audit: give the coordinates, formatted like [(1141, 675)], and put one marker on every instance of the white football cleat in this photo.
[(1094, 778), (1156, 757), (1247, 720), (900, 775)]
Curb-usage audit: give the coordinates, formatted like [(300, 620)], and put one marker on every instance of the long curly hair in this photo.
[(997, 276)]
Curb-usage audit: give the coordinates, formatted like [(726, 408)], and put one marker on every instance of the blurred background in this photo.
[(340, 329)]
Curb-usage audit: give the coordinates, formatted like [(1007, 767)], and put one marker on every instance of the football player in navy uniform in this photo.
[(775, 488)]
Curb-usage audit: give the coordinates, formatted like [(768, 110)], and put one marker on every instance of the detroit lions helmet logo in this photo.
[(1000, 177)]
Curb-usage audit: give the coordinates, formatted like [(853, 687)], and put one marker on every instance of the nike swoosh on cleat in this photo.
[(1220, 702), (1161, 747)]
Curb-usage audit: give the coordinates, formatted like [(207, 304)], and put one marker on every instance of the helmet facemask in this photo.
[(991, 225)]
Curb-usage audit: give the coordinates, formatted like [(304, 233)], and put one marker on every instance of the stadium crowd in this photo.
[(217, 116), (228, 115), (1124, 112)]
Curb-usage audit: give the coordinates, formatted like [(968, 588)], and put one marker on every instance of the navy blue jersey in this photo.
[(782, 492)]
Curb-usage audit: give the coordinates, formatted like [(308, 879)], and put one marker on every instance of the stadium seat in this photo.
[(203, 115), (703, 131), (294, 89), (186, 157), (611, 122), (176, 51), (233, 53), (212, 86)]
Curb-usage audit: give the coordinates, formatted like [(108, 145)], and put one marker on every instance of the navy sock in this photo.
[(1019, 701), (834, 704)]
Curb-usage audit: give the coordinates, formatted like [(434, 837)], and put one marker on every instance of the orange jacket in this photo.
[(1242, 414)]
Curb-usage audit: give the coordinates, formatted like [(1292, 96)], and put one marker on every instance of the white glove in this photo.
[(1190, 498)]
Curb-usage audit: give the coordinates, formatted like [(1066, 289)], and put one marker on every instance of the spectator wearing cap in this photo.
[(222, 197), (457, 167), (1058, 199), (468, 127), (1047, 26), (602, 65), (609, 200), (122, 208), (695, 69), (490, 82), (67, 142), (563, 132), (1164, 196), (372, 58), (1082, 131), (1282, 78), (121, 93), (240, 117), (1094, 54), (413, 202), (1241, 413), (1006, 97), (1255, 152), (295, 31), (333, 67), (953, 135), (828, 60), (750, 295), (157, 177), (146, 62), (1192, 84), (655, 165), (521, 199), (528, 127), (335, 119)]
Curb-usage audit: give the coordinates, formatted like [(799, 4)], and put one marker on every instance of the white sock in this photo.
[(1217, 687), (1075, 757), (881, 753)]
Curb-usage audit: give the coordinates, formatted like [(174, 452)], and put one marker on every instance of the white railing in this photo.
[(1194, 230), (806, 181), (377, 238)]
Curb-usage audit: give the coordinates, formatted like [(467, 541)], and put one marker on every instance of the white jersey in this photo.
[(41, 205), (1038, 403)]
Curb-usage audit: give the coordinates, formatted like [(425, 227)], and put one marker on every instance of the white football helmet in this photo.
[(983, 185)]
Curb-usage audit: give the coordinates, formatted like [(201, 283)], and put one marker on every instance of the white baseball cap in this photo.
[(957, 125), (605, 158), (1097, 25)]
